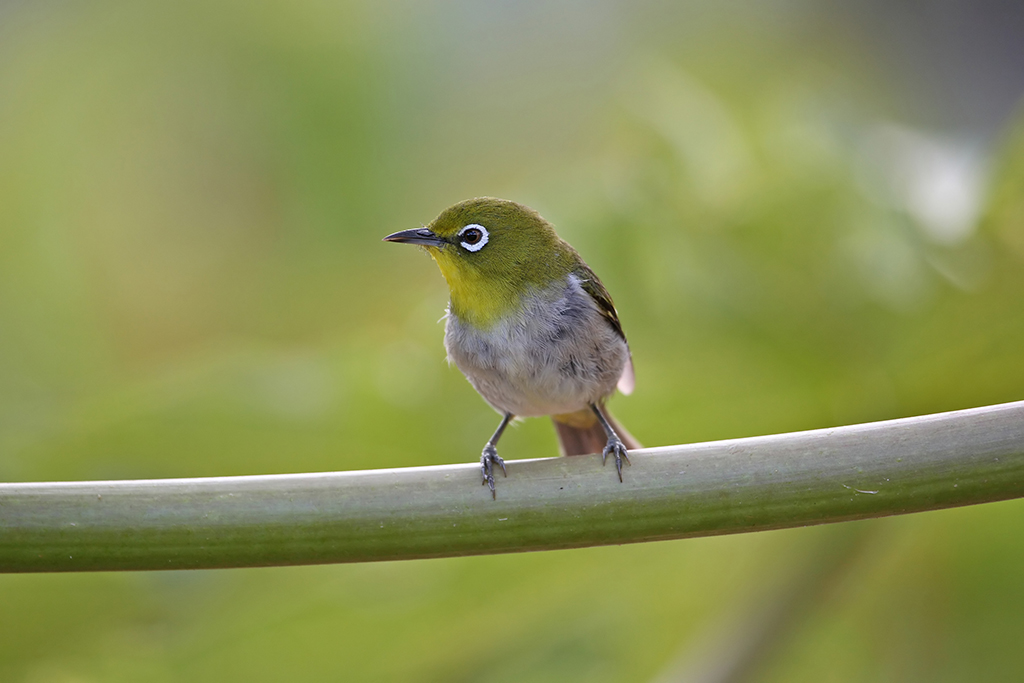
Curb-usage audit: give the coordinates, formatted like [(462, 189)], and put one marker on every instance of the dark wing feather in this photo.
[(592, 286)]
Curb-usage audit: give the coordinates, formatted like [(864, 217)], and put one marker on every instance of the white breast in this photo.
[(556, 355)]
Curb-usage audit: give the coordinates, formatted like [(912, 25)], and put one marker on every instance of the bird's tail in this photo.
[(581, 433)]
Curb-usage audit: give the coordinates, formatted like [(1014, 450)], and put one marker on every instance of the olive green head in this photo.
[(492, 252)]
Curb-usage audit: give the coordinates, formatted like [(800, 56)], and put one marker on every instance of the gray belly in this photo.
[(556, 355)]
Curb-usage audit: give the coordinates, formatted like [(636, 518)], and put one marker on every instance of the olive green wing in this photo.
[(592, 285)]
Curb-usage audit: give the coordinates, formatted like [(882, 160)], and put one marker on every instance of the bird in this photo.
[(530, 325)]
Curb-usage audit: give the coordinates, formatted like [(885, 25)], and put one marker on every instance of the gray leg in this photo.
[(490, 456), (615, 446)]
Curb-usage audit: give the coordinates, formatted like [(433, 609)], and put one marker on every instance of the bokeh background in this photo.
[(809, 213)]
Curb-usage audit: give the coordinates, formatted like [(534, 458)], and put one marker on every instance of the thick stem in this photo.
[(770, 482)]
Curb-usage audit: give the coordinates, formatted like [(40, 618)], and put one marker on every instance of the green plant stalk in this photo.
[(768, 482)]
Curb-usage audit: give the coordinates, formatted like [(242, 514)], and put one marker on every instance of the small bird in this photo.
[(530, 326)]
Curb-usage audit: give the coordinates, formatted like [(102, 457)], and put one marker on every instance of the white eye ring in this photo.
[(474, 246)]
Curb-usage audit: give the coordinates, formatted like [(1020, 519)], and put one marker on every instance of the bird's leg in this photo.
[(490, 456), (615, 446)]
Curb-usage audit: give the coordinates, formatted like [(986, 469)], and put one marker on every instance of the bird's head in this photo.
[(492, 252)]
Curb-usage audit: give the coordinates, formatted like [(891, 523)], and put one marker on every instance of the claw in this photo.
[(488, 460), (618, 449)]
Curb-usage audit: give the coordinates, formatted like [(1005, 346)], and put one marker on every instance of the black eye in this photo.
[(473, 237)]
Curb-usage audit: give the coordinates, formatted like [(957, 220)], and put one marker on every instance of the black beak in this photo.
[(420, 236)]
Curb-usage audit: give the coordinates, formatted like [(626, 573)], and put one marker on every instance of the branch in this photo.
[(768, 482)]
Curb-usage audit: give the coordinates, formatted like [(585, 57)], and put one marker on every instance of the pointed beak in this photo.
[(421, 236)]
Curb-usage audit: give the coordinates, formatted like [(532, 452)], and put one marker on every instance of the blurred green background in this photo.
[(809, 214)]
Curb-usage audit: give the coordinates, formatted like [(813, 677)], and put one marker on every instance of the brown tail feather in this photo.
[(580, 433)]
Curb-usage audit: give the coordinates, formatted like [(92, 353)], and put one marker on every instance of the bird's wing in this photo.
[(591, 284)]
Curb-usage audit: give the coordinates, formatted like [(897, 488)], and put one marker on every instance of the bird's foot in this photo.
[(618, 449), (488, 460)]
